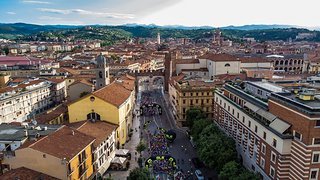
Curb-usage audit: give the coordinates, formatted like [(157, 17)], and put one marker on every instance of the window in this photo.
[(220, 102), (264, 135), (183, 101), (196, 101), (44, 156), (256, 129), (316, 157), (238, 115), (273, 157), (314, 174), (243, 119), (263, 149), (274, 142), (228, 108), (232, 111), (249, 124), (262, 163), (318, 123), (224, 105), (272, 172), (316, 141), (184, 110), (297, 135)]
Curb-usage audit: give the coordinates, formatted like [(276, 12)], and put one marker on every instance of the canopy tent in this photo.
[(119, 160), (121, 152)]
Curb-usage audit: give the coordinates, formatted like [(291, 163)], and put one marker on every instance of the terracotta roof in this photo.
[(100, 130), (63, 143), (220, 57), (198, 70), (6, 89), (253, 60), (83, 81), (54, 80), (187, 61), (45, 118), (115, 93), (25, 174)]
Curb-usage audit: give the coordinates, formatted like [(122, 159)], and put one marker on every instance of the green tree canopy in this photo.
[(141, 147), (139, 174), (198, 127), (215, 148), (194, 114)]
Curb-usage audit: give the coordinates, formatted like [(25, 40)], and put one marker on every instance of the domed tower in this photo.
[(102, 72)]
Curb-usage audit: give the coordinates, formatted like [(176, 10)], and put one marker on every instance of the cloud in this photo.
[(88, 13), (11, 13), (49, 18), (36, 2)]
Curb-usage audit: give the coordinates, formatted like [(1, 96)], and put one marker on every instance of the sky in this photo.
[(161, 12)]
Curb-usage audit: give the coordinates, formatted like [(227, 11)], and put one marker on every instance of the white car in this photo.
[(199, 175)]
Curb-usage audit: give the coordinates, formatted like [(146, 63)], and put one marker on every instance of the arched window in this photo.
[(100, 74), (227, 65), (106, 74), (93, 116)]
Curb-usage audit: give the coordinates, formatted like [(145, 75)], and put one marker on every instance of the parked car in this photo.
[(197, 163), (199, 175)]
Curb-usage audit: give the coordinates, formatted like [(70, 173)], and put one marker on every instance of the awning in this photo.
[(279, 125), (252, 107), (265, 114), (118, 160), (121, 152)]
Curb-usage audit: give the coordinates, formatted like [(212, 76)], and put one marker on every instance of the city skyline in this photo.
[(160, 12)]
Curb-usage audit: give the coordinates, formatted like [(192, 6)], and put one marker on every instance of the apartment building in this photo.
[(64, 154), (276, 131), (105, 144), (20, 102), (196, 93)]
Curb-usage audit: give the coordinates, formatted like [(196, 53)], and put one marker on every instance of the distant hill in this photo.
[(111, 34), (258, 27)]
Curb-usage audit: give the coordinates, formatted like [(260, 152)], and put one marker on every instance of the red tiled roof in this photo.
[(45, 118), (63, 143), (187, 61), (24, 173), (100, 130), (115, 93), (220, 57)]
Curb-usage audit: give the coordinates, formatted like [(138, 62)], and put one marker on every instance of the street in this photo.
[(181, 149)]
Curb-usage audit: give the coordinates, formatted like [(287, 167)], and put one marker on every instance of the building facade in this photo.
[(187, 94), (275, 131), (20, 102)]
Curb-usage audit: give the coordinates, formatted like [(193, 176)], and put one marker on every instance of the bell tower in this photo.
[(102, 72)]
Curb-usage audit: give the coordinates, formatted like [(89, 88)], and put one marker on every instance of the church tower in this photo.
[(102, 72)]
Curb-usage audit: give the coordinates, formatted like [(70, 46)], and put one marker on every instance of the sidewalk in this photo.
[(131, 146)]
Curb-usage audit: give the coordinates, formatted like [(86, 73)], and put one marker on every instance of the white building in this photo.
[(19, 102), (104, 145)]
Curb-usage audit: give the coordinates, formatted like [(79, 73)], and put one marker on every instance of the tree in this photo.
[(229, 170), (141, 147), (192, 115), (198, 127), (215, 148), (139, 174), (84, 93)]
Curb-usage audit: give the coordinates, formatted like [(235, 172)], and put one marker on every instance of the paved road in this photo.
[(181, 149)]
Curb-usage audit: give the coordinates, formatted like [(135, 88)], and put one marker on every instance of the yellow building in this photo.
[(4, 79), (196, 93), (65, 154), (113, 103), (56, 115)]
